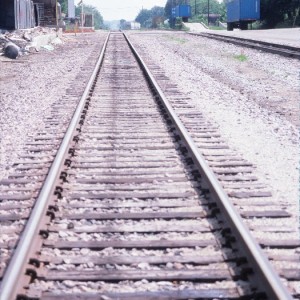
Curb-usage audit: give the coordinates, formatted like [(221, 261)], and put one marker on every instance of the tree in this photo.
[(168, 9), (157, 16), (277, 11), (222, 12), (200, 7), (143, 16), (64, 6), (169, 5), (157, 11), (89, 9), (122, 24), (148, 17)]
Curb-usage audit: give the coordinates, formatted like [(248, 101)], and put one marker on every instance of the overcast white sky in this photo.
[(122, 9)]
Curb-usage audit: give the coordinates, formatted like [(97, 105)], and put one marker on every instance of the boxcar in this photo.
[(182, 11), (240, 13)]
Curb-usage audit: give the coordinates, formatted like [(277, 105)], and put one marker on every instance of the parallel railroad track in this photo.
[(283, 50), (129, 208)]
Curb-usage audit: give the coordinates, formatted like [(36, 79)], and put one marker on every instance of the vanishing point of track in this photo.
[(130, 202)]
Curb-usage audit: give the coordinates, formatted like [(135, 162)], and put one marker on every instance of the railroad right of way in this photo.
[(131, 210)]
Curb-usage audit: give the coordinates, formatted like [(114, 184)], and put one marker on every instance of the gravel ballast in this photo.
[(246, 100), (253, 102), (31, 84)]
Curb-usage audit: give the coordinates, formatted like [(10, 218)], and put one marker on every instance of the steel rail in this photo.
[(18, 263), (267, 278), (283, 50)]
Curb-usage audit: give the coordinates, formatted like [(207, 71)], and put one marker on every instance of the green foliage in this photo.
[(89, 9), (157, 11), (168, 9), (274, 12), (198, 19), (148, 17), (222, 11), (144, 17), (216, 28), (98, 19), (200, 7), (178, 24), (122, 24), (241, 57), (64, 6)]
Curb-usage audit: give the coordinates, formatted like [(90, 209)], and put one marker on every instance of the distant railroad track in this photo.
[(283, 50), (129, 208)]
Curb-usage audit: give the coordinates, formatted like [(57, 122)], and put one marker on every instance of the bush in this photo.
[(178, 24)]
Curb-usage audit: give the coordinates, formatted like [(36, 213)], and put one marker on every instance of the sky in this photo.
[(122, 9)]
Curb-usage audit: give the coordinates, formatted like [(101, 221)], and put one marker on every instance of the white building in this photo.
[(135, 25)]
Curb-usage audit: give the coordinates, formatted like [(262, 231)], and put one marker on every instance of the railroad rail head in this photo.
[(267, 277), (283, 50), (22, 261)]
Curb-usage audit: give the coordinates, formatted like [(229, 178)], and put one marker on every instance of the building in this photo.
[(23, 14), (16, 14)]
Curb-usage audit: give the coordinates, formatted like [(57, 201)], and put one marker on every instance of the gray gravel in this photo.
[(31, 84), (240, 97), (255, 103)]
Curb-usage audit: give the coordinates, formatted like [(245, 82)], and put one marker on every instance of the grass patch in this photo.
[(241, 57), (217, 28)]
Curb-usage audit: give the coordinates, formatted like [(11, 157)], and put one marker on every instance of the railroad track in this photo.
[(283, 50), (129, 208)]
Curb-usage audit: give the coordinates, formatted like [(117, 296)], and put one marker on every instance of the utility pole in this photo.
[(208, 13), (56, 15), (81, 16), (195, 7), (172, 20)]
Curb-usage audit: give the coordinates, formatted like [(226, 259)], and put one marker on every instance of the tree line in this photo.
[(273, 12), (151, 18)]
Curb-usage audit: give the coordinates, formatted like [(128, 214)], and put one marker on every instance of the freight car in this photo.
[(240, 13), (182, 11)]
